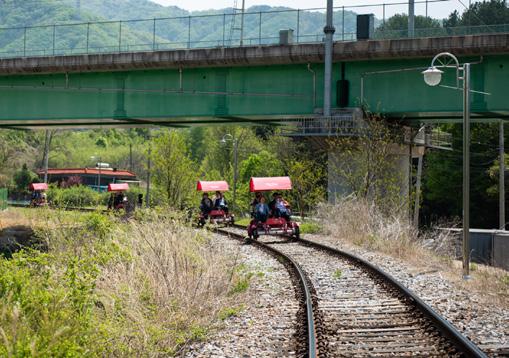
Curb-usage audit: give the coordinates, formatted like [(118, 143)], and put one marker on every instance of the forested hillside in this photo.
[(171, 28)]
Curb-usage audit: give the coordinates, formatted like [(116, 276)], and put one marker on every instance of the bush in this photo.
[(76, 196), (47, 310), (23, 177), (110, 288)]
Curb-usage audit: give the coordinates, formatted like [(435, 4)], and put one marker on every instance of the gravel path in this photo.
[(484, 324), (266, 325)]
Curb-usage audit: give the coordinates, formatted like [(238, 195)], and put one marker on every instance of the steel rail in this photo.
[(461, 343), (306, 288)]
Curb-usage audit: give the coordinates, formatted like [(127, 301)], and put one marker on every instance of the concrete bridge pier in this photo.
[(382, 175)]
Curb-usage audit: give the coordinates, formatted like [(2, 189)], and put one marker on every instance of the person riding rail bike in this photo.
[(261, 212), (220, 202), (206, 205)]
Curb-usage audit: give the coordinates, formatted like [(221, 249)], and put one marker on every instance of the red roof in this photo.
[(118, 187), (268, 184), (89, 171), (212, 185), (38, 186)]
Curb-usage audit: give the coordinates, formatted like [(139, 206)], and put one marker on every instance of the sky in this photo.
[(438, 10)]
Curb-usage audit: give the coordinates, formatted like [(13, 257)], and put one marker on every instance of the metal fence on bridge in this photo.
[(209, 31)]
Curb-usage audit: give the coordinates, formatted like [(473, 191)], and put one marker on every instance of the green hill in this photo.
[(171, 27)]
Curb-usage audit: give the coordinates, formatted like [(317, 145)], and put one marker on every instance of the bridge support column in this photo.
[(353, 170), (329, 46)]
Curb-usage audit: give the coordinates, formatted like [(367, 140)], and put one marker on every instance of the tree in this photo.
[(174, 172), (23, 178), (367, 165), (397, 26), (480, 13), (47, 145), (442, 179), (307, 190)]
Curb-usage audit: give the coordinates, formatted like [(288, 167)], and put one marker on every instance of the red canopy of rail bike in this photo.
[(269, 184), (118, 187), (38, 186), (220, 185)]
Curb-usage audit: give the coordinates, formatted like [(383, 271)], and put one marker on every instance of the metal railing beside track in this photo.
[(208, 31)]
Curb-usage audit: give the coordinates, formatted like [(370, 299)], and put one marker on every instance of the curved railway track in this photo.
[(306, 344), (355, 309)]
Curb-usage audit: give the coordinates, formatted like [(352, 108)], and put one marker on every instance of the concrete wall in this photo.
[(501, 250)]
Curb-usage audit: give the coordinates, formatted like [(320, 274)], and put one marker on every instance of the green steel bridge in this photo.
[(267, 83)]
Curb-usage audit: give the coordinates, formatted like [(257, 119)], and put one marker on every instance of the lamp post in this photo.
[(98, 164), (228, 137), (432, 77)]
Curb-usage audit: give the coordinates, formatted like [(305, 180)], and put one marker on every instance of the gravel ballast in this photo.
[(267, 323), (483, 323)]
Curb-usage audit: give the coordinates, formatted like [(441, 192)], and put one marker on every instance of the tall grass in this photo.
[(174, 284), (362, 223), (112, 288)]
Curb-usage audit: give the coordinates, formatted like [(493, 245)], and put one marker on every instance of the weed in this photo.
[(473, 266), (337, 274), (229, 312), (240, 286), (505, 280), (310, 227)]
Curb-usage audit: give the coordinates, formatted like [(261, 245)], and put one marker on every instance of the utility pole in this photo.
[(46, 154), (99, 175), (411, 18), (131, 157), (466, 170), (329, 34), (418, 191), (242, 22), (235, 169), (501, 177), (147, 195)]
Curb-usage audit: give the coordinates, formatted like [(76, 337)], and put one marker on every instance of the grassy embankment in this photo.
[(359, 223), (106, 287)]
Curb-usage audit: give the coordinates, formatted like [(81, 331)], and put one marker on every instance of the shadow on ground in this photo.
[(15, 238)]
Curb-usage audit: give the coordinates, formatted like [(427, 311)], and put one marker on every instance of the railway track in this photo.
[(306, 342), (355, 309)]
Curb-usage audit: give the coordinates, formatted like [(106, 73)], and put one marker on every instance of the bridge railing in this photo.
[(210, 31)]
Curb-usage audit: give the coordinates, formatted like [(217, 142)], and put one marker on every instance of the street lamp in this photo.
[(432, 77), (228, 137), (98, 164)]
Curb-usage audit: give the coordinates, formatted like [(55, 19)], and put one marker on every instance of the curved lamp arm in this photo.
[(433, 74)]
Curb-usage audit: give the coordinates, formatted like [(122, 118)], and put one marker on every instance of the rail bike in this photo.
[(211, 213), (38, 197), (275, 223), (118, 198)]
